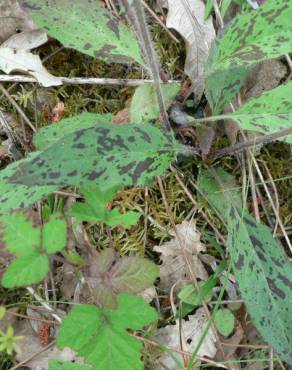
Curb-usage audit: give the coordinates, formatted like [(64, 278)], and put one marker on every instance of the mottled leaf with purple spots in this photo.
[(267, 114), (255, 36), (262, 270), (264, 276), (104, 155), (48, 135), (87, 27), (14, 196)]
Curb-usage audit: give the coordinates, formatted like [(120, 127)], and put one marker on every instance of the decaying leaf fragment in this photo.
[(12, 19), (15, 55), (173, 269), (191, 332), (187, 18)]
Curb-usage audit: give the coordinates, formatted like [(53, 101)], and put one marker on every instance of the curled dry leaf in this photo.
[(173, 269), (191, 332), (187, 18), (15, 56), (12, 19)]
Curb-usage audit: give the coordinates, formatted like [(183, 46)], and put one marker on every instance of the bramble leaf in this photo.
[(48, 135), (20, 237), (109, 275), (100, 336), (95, 209), (255, 36), (144, 106), (54, 234), (87, 27), (107, 155), (29, 244), (26, 270)]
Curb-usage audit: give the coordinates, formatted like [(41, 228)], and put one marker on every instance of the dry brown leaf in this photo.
[(15, 56), (264, 76), (191, 331), (122, 117), (187, 18), (13, 19), (56, 112), (173, 269)]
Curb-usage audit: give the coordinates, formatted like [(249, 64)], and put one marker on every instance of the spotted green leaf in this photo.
[(87, 27), (62, 365), (225, 322), (30, 245), (256, 36), (223, 85), (268, 113), (48, 135), (261, 268), (95, 209), (106, 155), (101, 337), (215, 194), (144, 106), (264, 276), (15, 196)]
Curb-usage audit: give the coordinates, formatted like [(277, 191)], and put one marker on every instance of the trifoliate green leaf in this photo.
[(30, 245)]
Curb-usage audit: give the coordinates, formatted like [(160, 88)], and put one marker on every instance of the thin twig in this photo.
[(192, 199), (146, 6), (218, 14), (277, 205), (17, 107), (251, 143), (253, 191), (33, 356), (271, 359), (44, 304), (84, 81), (135, 13), (200, 358), (32, 318)]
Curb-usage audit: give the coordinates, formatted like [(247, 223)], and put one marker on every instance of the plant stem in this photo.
[(136, 15)]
